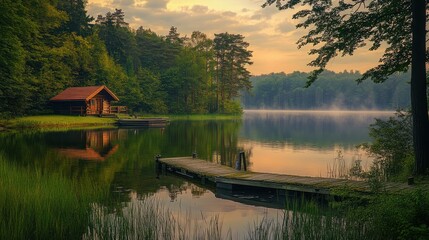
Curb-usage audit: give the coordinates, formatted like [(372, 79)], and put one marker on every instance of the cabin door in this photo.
[(96, 106), (99, 107)]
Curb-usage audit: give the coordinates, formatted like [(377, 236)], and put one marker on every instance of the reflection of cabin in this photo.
[(90, 145), (93, 100)]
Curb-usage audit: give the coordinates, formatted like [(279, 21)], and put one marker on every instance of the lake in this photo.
[(305, 143)]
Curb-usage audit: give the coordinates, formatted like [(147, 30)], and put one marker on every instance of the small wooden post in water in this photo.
[(238, 162), (243, 156), (157, 165)]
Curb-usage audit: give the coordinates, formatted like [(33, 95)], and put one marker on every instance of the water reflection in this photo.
[(308, 129), (99, 145), (306, 143), (297, 143)]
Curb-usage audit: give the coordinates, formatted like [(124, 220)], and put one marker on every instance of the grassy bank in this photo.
[(37, 205), (63, 122), (55, 121)]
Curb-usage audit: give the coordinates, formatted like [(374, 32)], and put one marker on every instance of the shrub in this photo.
[(392, 146)]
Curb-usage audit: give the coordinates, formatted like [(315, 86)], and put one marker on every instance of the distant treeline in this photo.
[(330, 91), (47, 46)]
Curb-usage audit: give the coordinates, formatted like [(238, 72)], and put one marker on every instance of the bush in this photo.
[(232, 107), (403, 216), (392, 146)]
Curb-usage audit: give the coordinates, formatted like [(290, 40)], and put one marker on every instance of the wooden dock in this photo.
[(143, 122), (227, 178)]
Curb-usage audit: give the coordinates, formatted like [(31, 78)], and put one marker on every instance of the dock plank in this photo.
[(227, 175)]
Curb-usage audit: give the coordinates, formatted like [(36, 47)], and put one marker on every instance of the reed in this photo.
[(146, 218), (38, 205), (306, 220)]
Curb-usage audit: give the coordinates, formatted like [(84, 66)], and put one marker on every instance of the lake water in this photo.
[(305, 143)]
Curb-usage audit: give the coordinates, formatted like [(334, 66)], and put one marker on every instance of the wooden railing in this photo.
[(118, 109)]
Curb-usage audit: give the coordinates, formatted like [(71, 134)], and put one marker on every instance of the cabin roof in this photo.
[(82, 93)]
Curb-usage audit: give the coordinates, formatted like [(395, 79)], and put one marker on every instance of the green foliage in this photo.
[(404, 216), (232, 107), (391, 147), (78, 21), (231, 76)]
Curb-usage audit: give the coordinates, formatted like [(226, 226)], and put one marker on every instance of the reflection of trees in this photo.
[(197, 191), (176, 189), (132, 165), (216, 141), (307, 128)]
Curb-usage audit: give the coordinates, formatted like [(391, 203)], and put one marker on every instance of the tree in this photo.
[(203, 46), (78, 21), (119, 40), (16, 28), (341, 27), (232, 57)]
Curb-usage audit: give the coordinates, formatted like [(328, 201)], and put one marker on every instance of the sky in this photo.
[(271, 33)]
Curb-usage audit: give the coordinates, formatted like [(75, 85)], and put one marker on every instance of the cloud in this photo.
[(229, 14), (156, 4), (285, 27), (200, 9), (122, 3)]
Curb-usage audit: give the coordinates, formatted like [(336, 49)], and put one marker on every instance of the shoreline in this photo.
[(53, 122)]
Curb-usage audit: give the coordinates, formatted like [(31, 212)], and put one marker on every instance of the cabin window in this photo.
[(92, 102)]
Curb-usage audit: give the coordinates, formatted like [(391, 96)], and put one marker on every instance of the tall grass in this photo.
[(306, 220), (37, 205), (146, 218)]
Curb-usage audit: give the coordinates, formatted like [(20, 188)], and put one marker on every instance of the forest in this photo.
[(47, 46), (331, 91)]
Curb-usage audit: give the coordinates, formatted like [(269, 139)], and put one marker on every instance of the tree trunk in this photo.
[(419, 87)]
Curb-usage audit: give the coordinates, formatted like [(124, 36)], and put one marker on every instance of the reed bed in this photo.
[(37, 205), (146, 218), (307, 221)]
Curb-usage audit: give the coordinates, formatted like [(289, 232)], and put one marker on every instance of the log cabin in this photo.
[(92, 100)]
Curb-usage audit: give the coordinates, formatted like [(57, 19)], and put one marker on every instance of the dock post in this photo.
[(243, 156), (238, 162), (157, 165)]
